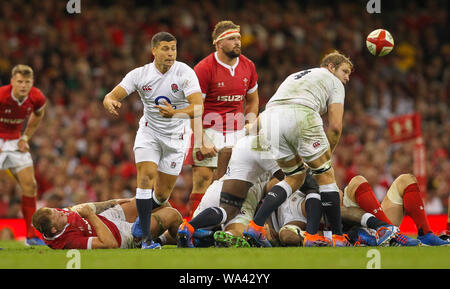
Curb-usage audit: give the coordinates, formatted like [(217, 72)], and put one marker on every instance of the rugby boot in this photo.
[(224, 239), (385, 234), (184, 235), (431, 239), (402, 240), (315, 240), (340, 241), (256, 236)]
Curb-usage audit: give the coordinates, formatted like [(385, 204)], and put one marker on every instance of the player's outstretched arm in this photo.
[(112, 100)]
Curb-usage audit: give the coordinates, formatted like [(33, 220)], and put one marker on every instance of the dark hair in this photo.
[(162, 36)]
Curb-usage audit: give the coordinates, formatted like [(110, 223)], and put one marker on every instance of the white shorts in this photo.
[(220, 141), (212, 199), (167, 152), (294, 129), (247, 163), (117, 216), (11, 158), (289, 211)]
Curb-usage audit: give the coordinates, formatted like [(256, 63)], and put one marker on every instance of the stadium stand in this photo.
[(83, 154)]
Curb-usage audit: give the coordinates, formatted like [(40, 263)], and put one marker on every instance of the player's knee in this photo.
[(404, 180), (357, 180), (174, 217), (145, 178), (29, 188)]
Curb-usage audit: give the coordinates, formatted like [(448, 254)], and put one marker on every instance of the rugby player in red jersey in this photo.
[(227, 79), (20, 101), (102, 225)]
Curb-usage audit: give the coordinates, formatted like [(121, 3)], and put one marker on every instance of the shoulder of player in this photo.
[(5, 90), (205, 63), (183, 66), (36, 92)]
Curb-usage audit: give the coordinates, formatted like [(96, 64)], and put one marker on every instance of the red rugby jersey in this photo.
[(224, 89), (13, 114), (77, 232)]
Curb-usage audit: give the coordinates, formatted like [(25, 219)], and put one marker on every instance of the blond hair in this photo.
[(223, 26), (23, 69), (42, 222), (336, 58)]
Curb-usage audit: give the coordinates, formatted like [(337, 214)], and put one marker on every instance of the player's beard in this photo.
[(233, 53)]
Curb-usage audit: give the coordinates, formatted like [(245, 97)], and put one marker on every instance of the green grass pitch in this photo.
[(15, 255)]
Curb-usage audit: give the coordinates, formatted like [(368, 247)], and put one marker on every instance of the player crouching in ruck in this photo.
[(103, 225)]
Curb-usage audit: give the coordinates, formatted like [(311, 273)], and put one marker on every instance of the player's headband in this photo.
[(226, 34)]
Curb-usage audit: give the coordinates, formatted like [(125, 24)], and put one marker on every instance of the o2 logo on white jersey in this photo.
[(159, 101)]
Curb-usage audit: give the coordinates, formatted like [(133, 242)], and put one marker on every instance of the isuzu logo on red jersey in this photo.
[(230, 98)]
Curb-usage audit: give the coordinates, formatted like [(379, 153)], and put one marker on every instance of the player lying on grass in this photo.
[(102, 225), (359, 205)]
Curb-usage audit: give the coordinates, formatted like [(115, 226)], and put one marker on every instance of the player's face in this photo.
[(165, 53), (231, 46), (21, 85), (59, 219), (342, 72)]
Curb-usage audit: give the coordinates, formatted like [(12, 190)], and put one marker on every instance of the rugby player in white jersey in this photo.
[(225, 197), (171, 95), (293, 128)]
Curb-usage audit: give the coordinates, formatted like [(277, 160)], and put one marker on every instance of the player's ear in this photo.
[(331, 67)]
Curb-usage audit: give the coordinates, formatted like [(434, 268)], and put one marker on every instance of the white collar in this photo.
[(16, 100), (159, 72), (56, 236), (232, 69)]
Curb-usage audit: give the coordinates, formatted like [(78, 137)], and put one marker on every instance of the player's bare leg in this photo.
[(360, 192), (27, 182), (223, 158), (163, 187), (392, 204)]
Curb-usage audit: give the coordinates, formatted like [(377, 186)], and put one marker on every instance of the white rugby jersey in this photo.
[(154, 87), (315, 88)]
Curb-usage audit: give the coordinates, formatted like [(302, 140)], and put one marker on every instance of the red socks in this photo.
[(28, 209), (413, 205), (368, 202), (194, 200)]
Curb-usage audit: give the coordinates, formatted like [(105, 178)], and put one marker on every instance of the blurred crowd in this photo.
[(82, 153)]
